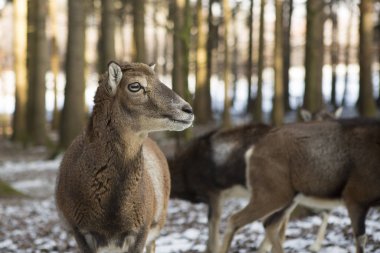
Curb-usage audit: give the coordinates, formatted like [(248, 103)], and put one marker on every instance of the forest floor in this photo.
[(31, 224)]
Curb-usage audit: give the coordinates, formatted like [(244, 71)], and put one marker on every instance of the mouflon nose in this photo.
[(187, 108)]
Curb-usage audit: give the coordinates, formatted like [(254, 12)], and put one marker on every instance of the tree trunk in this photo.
[(278, 100), (165, 67), (54, 59), (181, 41), (314, 55), (235, 54), (347, 55), (212, 42), (249, 60), (227, 64), (258, 104), (181, 15), (19, 52), (334, 52), (139, 30), (287, 23), (107, 35), (73, 110), (156, 38), (202, 106), (37, 66), (366, 102), (378, 56)]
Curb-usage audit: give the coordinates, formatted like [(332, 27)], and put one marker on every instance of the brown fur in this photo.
[(328, 160), (197, 177), (105, 188)]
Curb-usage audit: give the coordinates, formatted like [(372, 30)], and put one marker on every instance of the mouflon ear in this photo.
[(338, 112), (152, 66), (114, 76), (306, 115)]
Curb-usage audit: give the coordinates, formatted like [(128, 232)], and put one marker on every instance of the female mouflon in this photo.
[(113, 183)]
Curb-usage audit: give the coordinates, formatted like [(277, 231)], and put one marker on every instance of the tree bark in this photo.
[(181, 15), (287, 23), (258, 104), (378, 56), (347, 55), (334, 52), (250, 52), (73, 115), (212, 43), (156, 10), (202, 106), (278, 100), (181, 42), (54, 59), (19, 52), (366, 102), (139, 30), (235, 53), (107, 34), (37, 66), (314, 55), (227, 64)]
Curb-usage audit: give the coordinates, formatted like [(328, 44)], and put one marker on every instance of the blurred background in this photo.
[(234, 60)]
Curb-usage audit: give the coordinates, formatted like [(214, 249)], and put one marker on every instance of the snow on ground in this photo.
[(32, 224)]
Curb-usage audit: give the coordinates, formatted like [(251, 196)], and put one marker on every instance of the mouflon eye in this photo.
[(134, 87)]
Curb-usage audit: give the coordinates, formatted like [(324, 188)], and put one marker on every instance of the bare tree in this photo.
[(235, 52), (54, 59), (249, 59), (37, 66), (366, 102), (19, 52), (107, 34), (202, 100), (212, 43), (278, 100), (334, 51), (181, 41), (378, 53), (227, 63), (314, 55), (258, 107), (139, 30), (180, 13), (73, 116), (156, 10), (287, 23), (347, 54)]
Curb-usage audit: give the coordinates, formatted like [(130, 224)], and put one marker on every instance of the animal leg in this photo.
[(272, 232), (82, 242), (214, 214), (253, 211), (316, 246), (357, 215), (283, 217), (265, 245), (275, 228), (151, 248)]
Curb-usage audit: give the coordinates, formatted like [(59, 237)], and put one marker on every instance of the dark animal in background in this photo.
[(210, 165), (213, 164)]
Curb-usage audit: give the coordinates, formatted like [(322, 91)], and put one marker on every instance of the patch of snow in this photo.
[(32, 225), (16, 167)]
